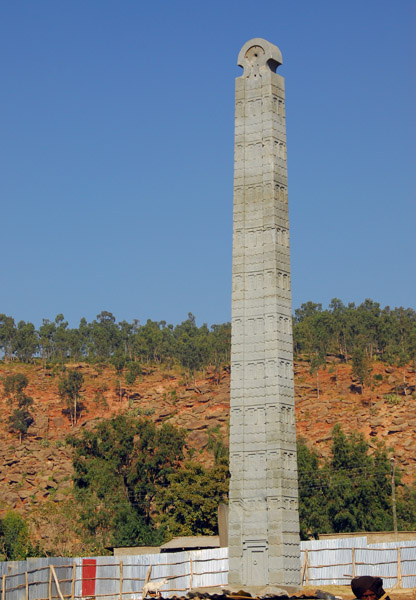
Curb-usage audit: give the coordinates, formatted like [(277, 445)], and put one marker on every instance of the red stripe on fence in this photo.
[(89, 568)]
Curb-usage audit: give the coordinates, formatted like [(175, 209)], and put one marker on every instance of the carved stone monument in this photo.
[(263, 502)]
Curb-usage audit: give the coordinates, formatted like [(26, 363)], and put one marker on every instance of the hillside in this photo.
[(35, 476)]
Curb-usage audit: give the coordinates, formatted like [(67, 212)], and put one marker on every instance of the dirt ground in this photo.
[(345, 592)]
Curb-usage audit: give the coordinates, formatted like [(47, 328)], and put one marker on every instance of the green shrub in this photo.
[(99, 397), (133, 370), (392, 399), (14, 538)]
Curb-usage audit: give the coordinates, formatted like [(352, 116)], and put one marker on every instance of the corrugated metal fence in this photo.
[(336, 561), (324, 562), (110, 578)]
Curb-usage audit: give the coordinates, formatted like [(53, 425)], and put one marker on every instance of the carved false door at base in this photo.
[(256, 563)]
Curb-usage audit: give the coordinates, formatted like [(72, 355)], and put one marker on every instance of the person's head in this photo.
[(367, 588), (368, 595)]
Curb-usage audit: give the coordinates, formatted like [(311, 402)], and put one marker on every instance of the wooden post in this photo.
[(74, 572), (305, 570), (399, 567), (121, 580), (3, 588), (26, 586), (353, 563), (191, 576), (302, 572), (58, 588), (50, 583), (148, 575)]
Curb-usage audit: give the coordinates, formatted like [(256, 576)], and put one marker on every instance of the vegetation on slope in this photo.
[(132, 487), (133, 483), (351, 490)]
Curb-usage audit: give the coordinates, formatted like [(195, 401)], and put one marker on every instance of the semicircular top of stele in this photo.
[(259, 54)]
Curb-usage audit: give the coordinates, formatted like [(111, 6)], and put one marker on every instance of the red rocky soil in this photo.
[(36, 474)]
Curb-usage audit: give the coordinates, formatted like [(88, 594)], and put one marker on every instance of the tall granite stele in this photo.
[(263, 534)]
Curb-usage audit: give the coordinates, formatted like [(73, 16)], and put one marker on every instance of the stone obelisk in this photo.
[(263, 501)]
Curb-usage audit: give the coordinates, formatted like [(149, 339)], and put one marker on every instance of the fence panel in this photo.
[(329, 566), (38, 573), (378, 562), (64, 573), (329, 562), (209, 567), (176, 567), (408, 566), (15, 580), (134, 573), (107, 580)]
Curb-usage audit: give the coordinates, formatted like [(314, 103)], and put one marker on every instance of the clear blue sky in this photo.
[(116, 153)]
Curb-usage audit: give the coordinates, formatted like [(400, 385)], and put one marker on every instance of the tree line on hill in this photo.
[(383, 333), (105, 340), (365, 332)]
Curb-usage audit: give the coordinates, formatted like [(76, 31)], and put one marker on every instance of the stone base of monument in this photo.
[(267, 590)]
